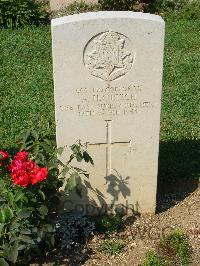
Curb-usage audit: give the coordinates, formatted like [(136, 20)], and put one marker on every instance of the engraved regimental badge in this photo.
[(107, 56)]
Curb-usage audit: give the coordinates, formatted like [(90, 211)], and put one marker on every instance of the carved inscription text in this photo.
[(108, 101)]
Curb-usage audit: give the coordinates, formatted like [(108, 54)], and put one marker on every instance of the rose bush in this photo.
[(30, 195), (23, 212)]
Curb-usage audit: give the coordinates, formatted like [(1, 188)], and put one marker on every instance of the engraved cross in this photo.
[(109, 145)]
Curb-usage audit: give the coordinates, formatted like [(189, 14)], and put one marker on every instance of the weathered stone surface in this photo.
[(108, 81), (58, 4)]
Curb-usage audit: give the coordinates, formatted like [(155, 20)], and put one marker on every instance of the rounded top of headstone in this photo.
[(106, 15)]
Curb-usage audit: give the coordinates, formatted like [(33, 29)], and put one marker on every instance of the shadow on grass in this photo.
[(178, 172)]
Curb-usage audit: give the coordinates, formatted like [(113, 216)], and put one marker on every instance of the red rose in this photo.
[(22, 180), (16, 166), (21, 156), (39, 174), (30, 165), (3, 155), (25, 172)]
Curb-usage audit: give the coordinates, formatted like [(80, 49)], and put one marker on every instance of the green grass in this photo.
[(26, 81), (180, 134), (27, 91), (181, 94)]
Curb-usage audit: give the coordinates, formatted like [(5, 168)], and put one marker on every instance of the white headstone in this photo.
[(108, 82)]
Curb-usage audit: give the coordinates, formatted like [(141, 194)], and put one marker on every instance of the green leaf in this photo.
[(2, 216), (65, 170), (87, 158), (1, 228), (24, 214), (26, 239), (11, 253), (2, 200), (52, 164), (79, 157), (48, 228), (34, 229), (34, 200), (13, 239), (48, 142), (21, 247), (3, 262), (14, 225), (36, 148), (46, 147), (26, 232), (8, 213), (52, 240), (41, 193), (19, 195), (43, 210), (23, 147), (40, 157), (75, 148), (10, 197), (73, 181)]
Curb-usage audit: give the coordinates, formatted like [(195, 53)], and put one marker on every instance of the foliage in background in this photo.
[(163, 5), (73, 229), (175, 9), (188, 10), (103, 5), (17, 13), (75, 8), (28, 210), (120, 5), (181, 8)]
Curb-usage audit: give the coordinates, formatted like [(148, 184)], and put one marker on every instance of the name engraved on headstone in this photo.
[(112, 101)]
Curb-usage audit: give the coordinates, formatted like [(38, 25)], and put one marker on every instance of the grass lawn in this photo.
[(27, 91)]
